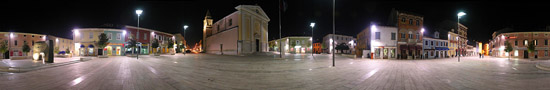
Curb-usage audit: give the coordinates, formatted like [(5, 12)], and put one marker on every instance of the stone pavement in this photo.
[(203, 71)]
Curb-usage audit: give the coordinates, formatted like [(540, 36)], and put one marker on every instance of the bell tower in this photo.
[(207, 29)]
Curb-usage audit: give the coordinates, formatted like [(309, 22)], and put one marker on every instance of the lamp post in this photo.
[(184, 45), (333, 29), (460, 14), (138, 12), (312, 25)]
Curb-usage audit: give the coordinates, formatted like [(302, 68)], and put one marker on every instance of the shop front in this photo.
[(384, 52), (410, 51)]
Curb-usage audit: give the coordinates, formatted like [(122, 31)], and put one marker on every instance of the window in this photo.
[(545, 41), (425, 42), (516, 42), (24, 35), (109, 35), (417, 22), (91, 35), (535, 41), (392, 36), (15, 42), (432, 43), (230, 22), (218, 27), (32, 43), (402, 35), (410, 21), (417, 36), (525, 42), (545, 52), (377, 35), (118, 36), (145, 36), (24, 42), (32, 35)]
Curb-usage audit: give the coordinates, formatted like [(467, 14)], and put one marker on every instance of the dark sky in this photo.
[(59, 17)]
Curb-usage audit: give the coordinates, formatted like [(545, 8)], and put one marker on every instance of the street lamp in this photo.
[(138, 12), (184, 45), (460, 14), (312, 25)]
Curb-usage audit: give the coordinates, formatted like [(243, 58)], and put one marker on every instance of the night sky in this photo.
[(59, 17)]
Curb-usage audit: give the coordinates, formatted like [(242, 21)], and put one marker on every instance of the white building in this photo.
[(383, 42), (339, 39)]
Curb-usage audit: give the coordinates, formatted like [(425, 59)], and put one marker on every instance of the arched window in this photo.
[(525, 42)]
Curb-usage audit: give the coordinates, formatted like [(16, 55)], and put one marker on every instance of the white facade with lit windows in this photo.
[(339, 39), (383, 42)]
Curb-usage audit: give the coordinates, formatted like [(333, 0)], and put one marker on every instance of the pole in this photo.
[(312, 41), (184, 40), (137, 37), (333, 31), (280, 43), (458, 27)]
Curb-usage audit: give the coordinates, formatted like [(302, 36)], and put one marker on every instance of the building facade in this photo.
[(294, 44), (383, 42), (410, 36), (458, 39), (85, 41), (239, 33), (62, 44), (520, 42), (434, 48), (16, 40), (339, 39)]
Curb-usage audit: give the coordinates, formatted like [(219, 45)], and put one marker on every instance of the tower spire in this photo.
[(208, 16)]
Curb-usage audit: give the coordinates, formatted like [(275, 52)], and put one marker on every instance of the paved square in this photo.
[(206, 72)]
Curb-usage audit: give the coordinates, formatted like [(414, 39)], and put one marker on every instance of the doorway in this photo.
[(257, 45)]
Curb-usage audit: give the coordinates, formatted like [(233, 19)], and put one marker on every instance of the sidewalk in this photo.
[(7, 65)]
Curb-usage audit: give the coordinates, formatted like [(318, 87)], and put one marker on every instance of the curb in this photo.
[(542, 67), (46, 66)]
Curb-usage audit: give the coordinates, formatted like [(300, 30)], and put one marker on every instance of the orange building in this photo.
[(409, 41), (317, 48)]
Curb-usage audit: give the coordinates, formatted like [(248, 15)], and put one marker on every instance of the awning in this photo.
[(91, 46), (441, 48), (82, 46)]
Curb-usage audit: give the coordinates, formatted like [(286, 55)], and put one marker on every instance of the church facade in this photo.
[(242, 32)]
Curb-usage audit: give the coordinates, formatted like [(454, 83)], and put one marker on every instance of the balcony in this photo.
[(412, 41)]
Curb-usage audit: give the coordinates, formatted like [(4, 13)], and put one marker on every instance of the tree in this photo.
[(170, 44), (68, 51), (26, 48), (3, 47), (155, 45), (508, 49), (56, 50), (131, 43), (341, 47), (531, 47), (102, 43)]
